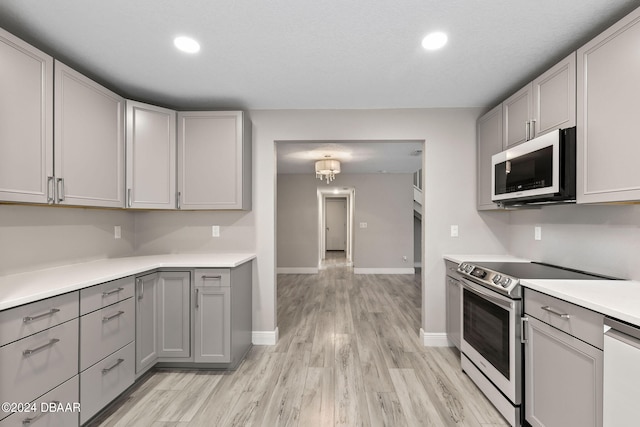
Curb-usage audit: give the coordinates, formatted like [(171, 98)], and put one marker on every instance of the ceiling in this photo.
[(311, 54)]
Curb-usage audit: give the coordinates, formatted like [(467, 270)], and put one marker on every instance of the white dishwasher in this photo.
[(621, 377)]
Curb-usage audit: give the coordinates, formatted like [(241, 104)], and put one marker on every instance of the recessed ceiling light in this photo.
[(186, 44), (434, 41)]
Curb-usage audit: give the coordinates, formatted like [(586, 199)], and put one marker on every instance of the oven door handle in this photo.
[(487, 296)]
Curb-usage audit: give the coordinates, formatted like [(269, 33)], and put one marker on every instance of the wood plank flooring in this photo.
[(348, 355)]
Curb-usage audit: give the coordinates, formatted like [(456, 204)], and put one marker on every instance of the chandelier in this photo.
[(327, 169)]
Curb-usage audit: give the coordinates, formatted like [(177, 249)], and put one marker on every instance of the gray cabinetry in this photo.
[(608, 109), (489, 142), (546, 104), (151, 157), (454, 304), (89, 141), (26, 122), (174, 315), (214, 160), (146, 322), (563, 373)]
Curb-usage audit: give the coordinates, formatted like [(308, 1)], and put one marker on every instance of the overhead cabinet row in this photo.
[(71, 149), (595, 89)]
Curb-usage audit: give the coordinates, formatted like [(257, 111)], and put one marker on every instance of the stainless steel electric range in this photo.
[(491, 327)]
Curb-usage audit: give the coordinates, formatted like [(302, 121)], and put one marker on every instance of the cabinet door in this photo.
[(608, 111), (563, 379), (554, 97), (516, 113), (213, 160), (146, 322), (174, 296), (489, 142), (454, 301), (89, 141), (26, 122), (213, 324), (151, 157)]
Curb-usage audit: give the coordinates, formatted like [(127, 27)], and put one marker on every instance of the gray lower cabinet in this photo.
[(608, 109), (454, 304), (146, 322), (563, 374), (174, 315), (489, 142)]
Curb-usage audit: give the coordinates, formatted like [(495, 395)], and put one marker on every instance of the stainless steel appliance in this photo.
[(491, 348), (539, 171)]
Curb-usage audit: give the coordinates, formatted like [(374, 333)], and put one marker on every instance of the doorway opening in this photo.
[(335, 226)]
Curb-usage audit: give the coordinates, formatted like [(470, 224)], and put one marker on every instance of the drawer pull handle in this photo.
[(112, 367), (212, 277), (113, 316), (111, 292), (40, 316), (557, 313), (29, 352), (29, 421)]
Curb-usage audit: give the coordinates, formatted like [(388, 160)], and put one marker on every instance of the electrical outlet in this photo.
[(117, 232), (537, 233), (215, 231), (363, 225), (454, 231)]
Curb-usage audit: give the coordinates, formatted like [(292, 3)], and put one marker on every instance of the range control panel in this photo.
[(492, 279)]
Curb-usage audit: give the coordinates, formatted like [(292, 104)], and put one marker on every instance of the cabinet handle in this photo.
[(197, 294), (128, 197), (60, 189), (51, 312), (111, 292), (557, 313), (29, 352), (141, 284), (523, 327), (112, 367), (527, 127), (51, 198), (532, 129), (211, 277), (29, 421), (113, 316), (178, 199)]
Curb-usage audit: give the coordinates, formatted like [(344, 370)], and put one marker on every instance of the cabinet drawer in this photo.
[(36, 364), (105, 331), (105, 380), (28, 319), (578, 321), (99, 296), (218, 277), (66, 394)]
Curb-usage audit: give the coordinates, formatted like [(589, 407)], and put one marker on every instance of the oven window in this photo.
[(486, 328)]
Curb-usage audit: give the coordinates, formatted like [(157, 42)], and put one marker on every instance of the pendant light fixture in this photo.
[(327, 169)]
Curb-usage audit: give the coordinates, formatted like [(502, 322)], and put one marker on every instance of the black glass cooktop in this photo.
[(536, 270)]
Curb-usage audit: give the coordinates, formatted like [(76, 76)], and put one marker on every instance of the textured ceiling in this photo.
[(304, 54)]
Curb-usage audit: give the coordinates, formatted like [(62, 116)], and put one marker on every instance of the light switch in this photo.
[(215, 231), (117, 232), (363, 225), (454, 231), (537, 233)]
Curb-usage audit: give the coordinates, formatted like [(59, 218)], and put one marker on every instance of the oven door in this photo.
[(491, 337)]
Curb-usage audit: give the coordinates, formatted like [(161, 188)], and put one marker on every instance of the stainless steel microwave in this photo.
[(539, 171)]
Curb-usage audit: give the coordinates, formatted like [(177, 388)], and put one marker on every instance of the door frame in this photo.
[(325, 193)]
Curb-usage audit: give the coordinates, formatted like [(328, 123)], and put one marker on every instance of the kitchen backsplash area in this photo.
[(603, 239)]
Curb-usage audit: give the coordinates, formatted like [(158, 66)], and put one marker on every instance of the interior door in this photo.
[(336, 224)]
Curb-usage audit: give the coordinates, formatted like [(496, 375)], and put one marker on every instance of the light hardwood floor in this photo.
[(348, 355)]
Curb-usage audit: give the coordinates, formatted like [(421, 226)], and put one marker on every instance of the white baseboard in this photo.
[(264, 337), (297, 270), (384, 271), (434, 339)]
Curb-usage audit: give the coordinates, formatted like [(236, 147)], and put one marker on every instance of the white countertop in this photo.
[(18, 289)]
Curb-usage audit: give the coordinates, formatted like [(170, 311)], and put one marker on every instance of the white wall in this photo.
[(601, 239), (383, 201), (450, 176), (33, 237)]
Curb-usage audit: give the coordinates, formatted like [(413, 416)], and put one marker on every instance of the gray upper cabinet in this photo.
[(89, 141), (608, 109), (151, 157), (214, 160), (489, 142), (546, 104), (26, 122)]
